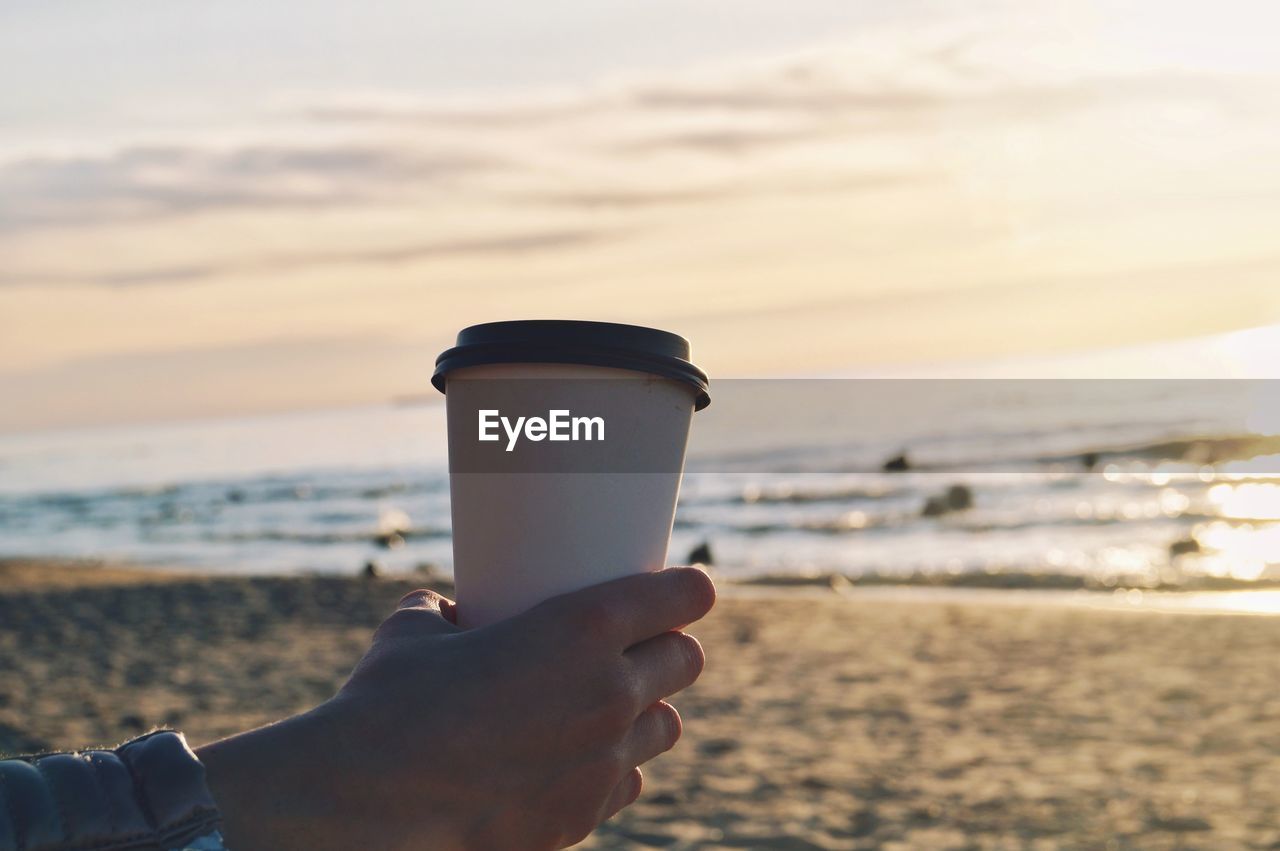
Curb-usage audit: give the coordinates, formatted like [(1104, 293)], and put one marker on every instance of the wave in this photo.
[(255, 491), (994, 453), (1001, 580), (1200, 451), (857, 521), (789, 495), (302, 537)]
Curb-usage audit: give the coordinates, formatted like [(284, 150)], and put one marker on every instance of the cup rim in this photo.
[(606, 344)]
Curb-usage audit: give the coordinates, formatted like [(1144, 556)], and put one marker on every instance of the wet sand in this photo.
[(837, 721)]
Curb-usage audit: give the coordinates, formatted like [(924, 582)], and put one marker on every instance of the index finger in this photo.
[(629, 610)]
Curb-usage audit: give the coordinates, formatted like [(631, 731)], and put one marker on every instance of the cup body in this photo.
[(539, 518)]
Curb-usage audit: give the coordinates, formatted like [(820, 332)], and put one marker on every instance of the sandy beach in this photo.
[(837, 721)]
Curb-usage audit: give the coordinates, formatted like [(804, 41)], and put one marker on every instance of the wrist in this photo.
[(270, 786)]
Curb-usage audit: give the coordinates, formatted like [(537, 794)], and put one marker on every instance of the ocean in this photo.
[(980, 482)]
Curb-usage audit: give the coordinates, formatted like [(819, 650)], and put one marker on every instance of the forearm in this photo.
[(292, 785), (269, 785)]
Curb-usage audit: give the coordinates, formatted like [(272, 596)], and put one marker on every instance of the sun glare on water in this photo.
[(1233, 602), (1247, 501), (1245, 543)]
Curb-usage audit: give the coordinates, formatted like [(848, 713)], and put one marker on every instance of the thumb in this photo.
[(424, 598), (420, 613)]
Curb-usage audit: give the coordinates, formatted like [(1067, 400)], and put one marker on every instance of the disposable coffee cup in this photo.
[(566, 449)]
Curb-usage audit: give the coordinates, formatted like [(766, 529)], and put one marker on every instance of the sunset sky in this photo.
[(218, 208)]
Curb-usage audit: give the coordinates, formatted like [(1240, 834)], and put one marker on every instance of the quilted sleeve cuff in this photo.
[(148, 793)]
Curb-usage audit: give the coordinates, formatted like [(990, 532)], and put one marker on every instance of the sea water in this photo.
[(992, 482)]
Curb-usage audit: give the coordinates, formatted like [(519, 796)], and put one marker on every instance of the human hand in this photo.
[(521, 735)]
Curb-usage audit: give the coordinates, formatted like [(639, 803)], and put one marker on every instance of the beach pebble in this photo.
[(865, 822), (701, 554), (954, 498), (1178, 824), (897, 464), (838, 582), (648, 839), (718, 747), (393, 525), (389, 540), (132, 722)]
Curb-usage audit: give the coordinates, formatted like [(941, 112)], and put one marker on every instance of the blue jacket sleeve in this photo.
[(149, 794)]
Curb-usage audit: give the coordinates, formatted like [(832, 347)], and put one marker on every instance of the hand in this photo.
[(522, 735)]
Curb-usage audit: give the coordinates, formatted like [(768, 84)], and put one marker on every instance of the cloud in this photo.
[(788, 92), (211, 380), (627, 197), (894, 200), (150, 181), (627, 147), (360, 109), (624, 197), (492, 246), (743, 110), (728, 142), (797, 107), (418, 145)]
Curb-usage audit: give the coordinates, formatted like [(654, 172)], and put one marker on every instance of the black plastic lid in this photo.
[(567, 341)]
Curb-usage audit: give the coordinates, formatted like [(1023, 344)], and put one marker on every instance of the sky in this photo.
[(223, 208)]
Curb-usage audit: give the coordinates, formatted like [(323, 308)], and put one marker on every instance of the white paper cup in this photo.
[(535, 517)]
